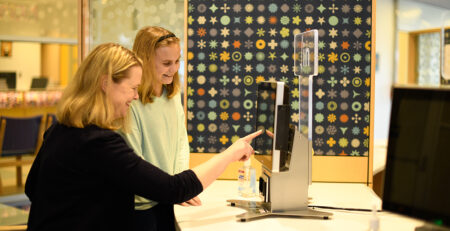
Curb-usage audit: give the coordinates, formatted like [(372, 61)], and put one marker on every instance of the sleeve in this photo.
[(183, 143), (134, 136), (31, 182), (117, 163)]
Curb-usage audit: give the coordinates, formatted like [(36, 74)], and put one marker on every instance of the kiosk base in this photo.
[(257, 210)]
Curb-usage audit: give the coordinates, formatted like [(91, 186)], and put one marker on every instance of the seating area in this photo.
[(20, 140)]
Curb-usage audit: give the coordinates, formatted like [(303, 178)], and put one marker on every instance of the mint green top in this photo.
[(158, 134)]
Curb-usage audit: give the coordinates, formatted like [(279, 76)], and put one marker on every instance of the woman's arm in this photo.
[(121, 166)]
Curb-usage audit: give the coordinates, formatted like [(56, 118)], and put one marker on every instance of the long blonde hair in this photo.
[(145, 44), (83, 101)]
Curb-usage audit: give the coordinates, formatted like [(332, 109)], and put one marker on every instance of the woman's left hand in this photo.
[(192, 202)]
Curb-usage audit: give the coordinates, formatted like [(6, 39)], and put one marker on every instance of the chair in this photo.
[(18, 137)]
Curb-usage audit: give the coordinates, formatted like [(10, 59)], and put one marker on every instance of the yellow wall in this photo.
[(25, 61), (50, 62)]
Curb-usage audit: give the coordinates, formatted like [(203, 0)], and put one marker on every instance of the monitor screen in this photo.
[(39, 83), (418, 157), (272, 106), (10, 78)]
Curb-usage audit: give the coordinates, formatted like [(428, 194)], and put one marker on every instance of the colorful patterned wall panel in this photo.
[(233, 45)]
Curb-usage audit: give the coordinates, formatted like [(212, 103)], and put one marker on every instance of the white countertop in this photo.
[(215, 214)]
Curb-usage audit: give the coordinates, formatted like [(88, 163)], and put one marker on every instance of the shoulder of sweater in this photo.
[(92, 132)]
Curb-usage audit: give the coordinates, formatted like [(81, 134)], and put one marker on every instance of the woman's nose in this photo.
[(174, 68)]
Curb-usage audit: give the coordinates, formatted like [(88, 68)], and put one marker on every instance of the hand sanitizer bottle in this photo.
[(247, 180)]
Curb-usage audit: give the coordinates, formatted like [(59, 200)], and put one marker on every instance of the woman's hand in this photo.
[(211, 169), (192, 202), (241, 150)]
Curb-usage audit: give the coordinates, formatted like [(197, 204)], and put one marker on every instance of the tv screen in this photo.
[(418, 158)]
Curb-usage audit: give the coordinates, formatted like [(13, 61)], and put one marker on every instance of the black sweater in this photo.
[(86, 179)]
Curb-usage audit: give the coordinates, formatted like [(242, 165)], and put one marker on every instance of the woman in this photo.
[(158, 132), (85, 175)]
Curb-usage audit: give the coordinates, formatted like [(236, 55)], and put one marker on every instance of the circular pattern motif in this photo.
[(357, 82), (319, 130), (200, 115), (260, 44), (319, 105), (260, 67), (213, 32), (236, 104), (273, 8), (201, 79), (262, 106), (261, 7), (345, 57), (262, 118), (260, 56), (212, 115), (236, 116), (200, 127), (332, 106), (212, 104), (356, 106), (248, 80), (212, 68), (224, 104), (225, 20), (236, 56), (309, 8), (284, 44), (333, 20), (201, 104), (248, 128), (201, 8), (249, 7), (248, 104), (212, 127)]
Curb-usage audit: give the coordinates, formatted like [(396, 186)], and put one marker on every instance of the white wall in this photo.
[(385, 41), (25, 61)]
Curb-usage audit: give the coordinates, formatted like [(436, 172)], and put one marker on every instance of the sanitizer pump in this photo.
[(247, 180)]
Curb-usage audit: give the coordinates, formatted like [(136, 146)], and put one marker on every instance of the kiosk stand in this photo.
[(286, 192)]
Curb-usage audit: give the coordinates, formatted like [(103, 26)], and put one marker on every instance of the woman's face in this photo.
[(121, 94), (167, 62)]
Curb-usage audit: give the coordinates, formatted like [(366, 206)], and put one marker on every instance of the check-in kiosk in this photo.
[(285, 150)]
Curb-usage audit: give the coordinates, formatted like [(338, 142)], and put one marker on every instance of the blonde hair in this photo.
[(84, 102), (147, 40)]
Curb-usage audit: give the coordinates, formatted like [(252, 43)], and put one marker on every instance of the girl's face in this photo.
[(167, 62), (121, 94)]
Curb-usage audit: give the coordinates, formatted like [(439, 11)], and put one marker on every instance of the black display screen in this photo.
[(418, 158), (265, 119)]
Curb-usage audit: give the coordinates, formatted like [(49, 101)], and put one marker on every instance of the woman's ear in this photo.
[(104, 82)]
